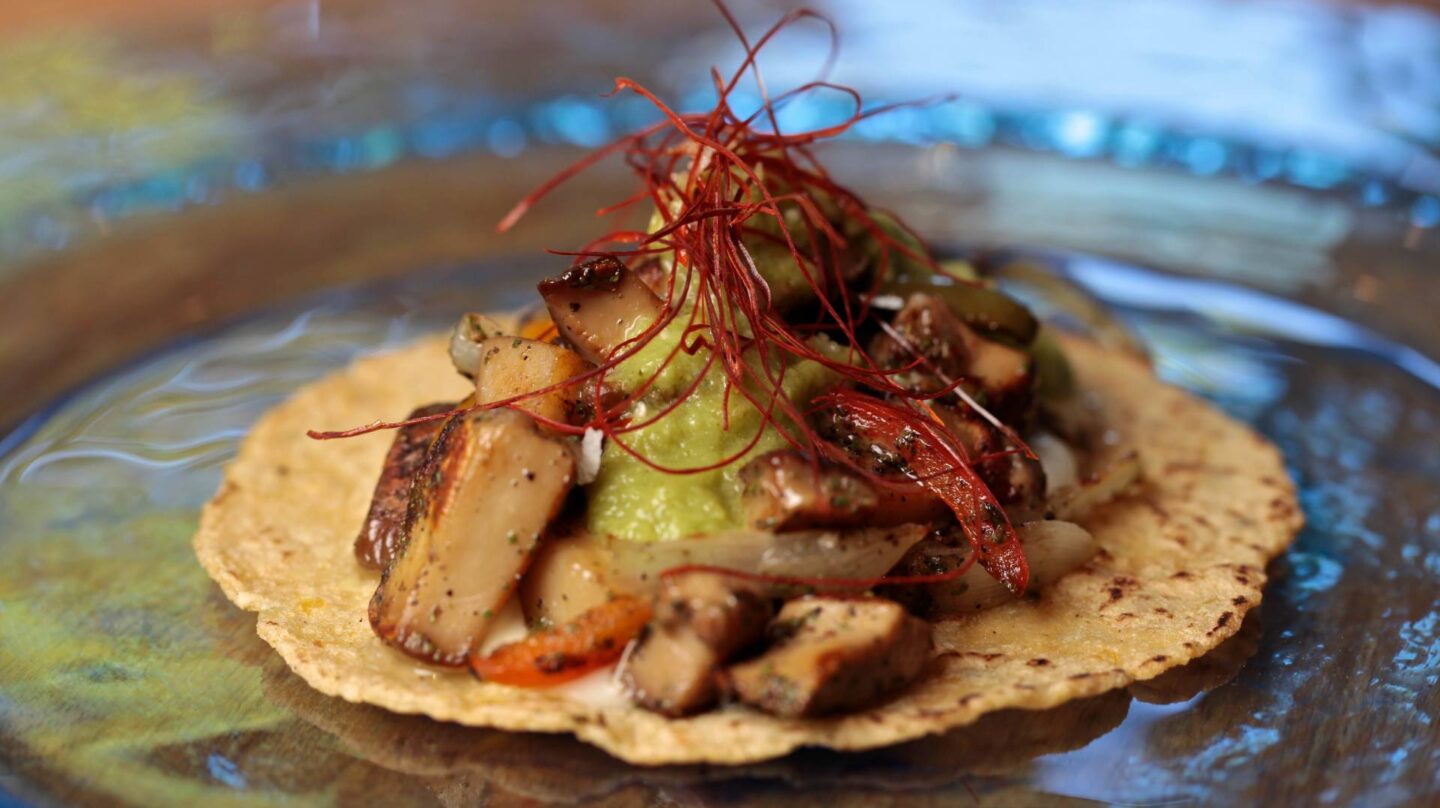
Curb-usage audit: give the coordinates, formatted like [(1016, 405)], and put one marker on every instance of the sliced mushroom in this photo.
[(701, 620), (597, 306), (784, 491), (512, 366), (380, 536), (833, 655), (490, 486)]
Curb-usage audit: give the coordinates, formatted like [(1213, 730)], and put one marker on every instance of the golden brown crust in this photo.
[(1181, 564)]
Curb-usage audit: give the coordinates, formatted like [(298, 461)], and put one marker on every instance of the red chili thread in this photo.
[(717, 179)]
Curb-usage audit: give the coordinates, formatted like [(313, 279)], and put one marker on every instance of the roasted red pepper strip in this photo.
[(556, 655), (939, 464)]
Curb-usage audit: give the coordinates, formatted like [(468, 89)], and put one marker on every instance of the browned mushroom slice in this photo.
[(489, 488), (597, 304), (1003, 374), (379, 538), (511, 366), (701, 620), (832, 655), (784, 491)]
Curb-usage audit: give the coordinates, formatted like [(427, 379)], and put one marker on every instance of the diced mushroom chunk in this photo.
[(701, 620), (597, 306), (672, 673), (511, 366), (489, 488), (833, 655), (570, 575), (380, 536), (784, 491)]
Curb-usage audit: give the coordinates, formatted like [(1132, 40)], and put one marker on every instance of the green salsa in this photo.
[(631, 500)]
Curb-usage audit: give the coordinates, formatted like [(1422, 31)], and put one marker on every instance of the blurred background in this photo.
[(205, 204), (160, 157)]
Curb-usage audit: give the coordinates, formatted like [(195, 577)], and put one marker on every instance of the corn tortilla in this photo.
[(1181, 563)]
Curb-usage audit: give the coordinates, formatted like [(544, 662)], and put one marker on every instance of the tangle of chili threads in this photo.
[(704, 220)]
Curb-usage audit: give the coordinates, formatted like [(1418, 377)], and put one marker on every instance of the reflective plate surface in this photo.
[(128, 676), (248, 199)]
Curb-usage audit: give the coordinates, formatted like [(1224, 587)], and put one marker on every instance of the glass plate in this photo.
[(127, 676), (1268, 229)]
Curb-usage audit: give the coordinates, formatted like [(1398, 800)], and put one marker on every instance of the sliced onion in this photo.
[(850, 554), (1078, 502), (1052, 549), (465, 341), (1058, 460)]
